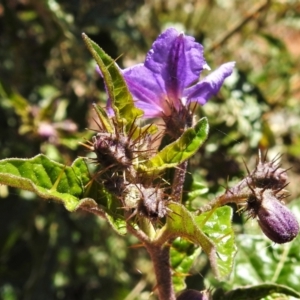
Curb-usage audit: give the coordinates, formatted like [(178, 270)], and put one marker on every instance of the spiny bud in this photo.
[(268, 175), (276, 221), (148, 201), (112, 149)]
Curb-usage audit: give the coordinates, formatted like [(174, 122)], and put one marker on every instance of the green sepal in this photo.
[(47, 178), (105, 122), (121, 100), (180, 150), (149, 129)]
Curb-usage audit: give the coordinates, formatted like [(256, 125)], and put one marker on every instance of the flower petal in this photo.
[(210, 85), (147, 90), (177, 61), (163, 83)]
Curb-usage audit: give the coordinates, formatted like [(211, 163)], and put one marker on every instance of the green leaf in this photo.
[(107, 206), (46, 178), (181, 223), (180, 150), (257, 292), (217, 226), (117, 222), (183, 254), (106, 124), (121, 99), (211, 230), (112, 208), (265, 261), (260, 261), (197, 189)]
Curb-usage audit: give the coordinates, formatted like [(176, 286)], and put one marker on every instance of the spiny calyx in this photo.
[(268, 174), (262, 194), (145, 201), (120, 150)]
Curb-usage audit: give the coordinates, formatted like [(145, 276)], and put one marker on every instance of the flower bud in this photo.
[(268, 175), (276, 221), (152, 204), (193, 295), (112, 149), (148, 201)]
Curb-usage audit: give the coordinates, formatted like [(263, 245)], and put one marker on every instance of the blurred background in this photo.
[(47, 86)]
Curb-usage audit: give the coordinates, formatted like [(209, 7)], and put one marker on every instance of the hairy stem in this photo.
[(227, 197), (160, 256), (180, 171), (178, 182), (138, 234)]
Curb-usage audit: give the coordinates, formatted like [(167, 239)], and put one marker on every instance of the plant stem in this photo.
[(227, 197), (178, 182), (160, 256)]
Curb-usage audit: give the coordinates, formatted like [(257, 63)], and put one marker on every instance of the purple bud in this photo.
[(276, 221), (193, 295)]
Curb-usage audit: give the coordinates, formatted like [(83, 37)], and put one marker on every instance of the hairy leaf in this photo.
[(212, 231), (183, 254), (217, 226), (180, 150), (116, 221), (106, 124), (258, 292), (121, 99), (46, 178), (181, 223)]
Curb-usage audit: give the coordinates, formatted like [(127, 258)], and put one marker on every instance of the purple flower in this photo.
[(168, 80)]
